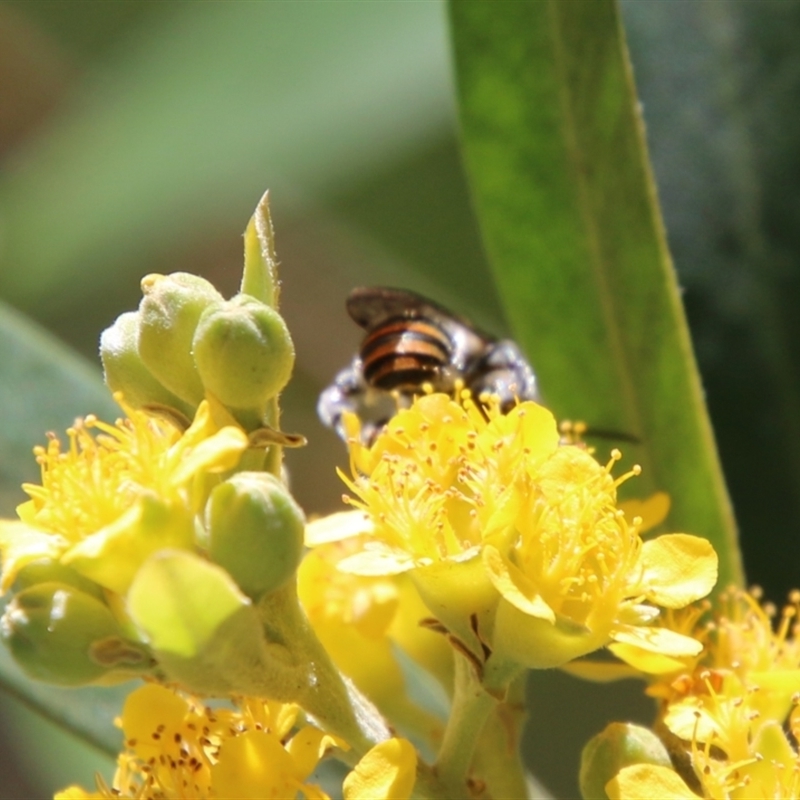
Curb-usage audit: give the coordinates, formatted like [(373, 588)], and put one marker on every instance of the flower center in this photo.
[(98, 476), (574, 543)]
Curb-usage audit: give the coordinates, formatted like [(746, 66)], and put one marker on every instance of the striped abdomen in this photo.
[(404, 353)]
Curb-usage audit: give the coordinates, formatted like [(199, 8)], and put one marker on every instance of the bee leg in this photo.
[(504, 371), (344, 394)]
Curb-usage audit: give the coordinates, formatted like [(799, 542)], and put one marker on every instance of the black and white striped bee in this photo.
[(411, 341)]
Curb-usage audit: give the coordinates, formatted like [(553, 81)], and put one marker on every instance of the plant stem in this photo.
[(472, 705), (324, 693), (497, 757)]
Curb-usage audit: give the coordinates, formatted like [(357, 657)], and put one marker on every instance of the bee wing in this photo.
[(369, 306)]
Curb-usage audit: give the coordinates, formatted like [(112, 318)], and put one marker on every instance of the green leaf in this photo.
[(555, 152), (43, 387)]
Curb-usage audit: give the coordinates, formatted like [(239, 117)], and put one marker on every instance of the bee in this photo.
[(411, 342)]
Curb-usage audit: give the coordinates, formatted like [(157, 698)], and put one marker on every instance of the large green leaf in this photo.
[(555, 153), (43, 387)]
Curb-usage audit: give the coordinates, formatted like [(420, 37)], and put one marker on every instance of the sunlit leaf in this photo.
[(561, 182)]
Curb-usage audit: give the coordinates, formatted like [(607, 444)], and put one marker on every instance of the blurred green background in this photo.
[(137, 137)]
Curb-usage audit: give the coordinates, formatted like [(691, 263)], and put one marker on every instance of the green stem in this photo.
[(274, 454), (472, 705), (324, 694), (497, 758)]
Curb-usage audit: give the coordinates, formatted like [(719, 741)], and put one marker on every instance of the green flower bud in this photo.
[(619, 745), (243, 352), (255, 531), (48, 570), (168, 316), (62, 635), (126, 372)]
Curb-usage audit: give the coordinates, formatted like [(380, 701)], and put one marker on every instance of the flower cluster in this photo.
[(166, 546), (514, 538), (728, 720), (115, 497)]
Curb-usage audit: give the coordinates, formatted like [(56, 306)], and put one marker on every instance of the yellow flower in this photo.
[(740, 639), (731, 753), (361, 620), (514, 539), (386, 771), (113, 497), (178, 748), (729, 709)]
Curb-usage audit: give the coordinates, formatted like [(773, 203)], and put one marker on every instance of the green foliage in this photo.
[(564, 193), (44, 386)]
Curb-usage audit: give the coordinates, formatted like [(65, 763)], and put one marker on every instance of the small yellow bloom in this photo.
[(730, 707), (178, 749), (115, 496), (508, 532), (362, 619), (732, 754), (740, 638)]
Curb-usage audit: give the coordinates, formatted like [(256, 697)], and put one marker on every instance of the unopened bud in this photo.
[(62, 635), (126, 372), (48, 570), (255, 531), (619, 745), (243, 352), (169, 313)]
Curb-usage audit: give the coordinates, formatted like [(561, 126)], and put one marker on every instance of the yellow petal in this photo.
[(652, 511), (678, 569), (252, 766), (20, 544), (657, 640), (335, 527), (648, 782), (776, 680), (646, 660), (145, 709), (599, 671), (76, 793), (687, 720), (377, 559), (387, 772), (771, 743), (112, 556), (307, 747), (507, 579), (218, 453)]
